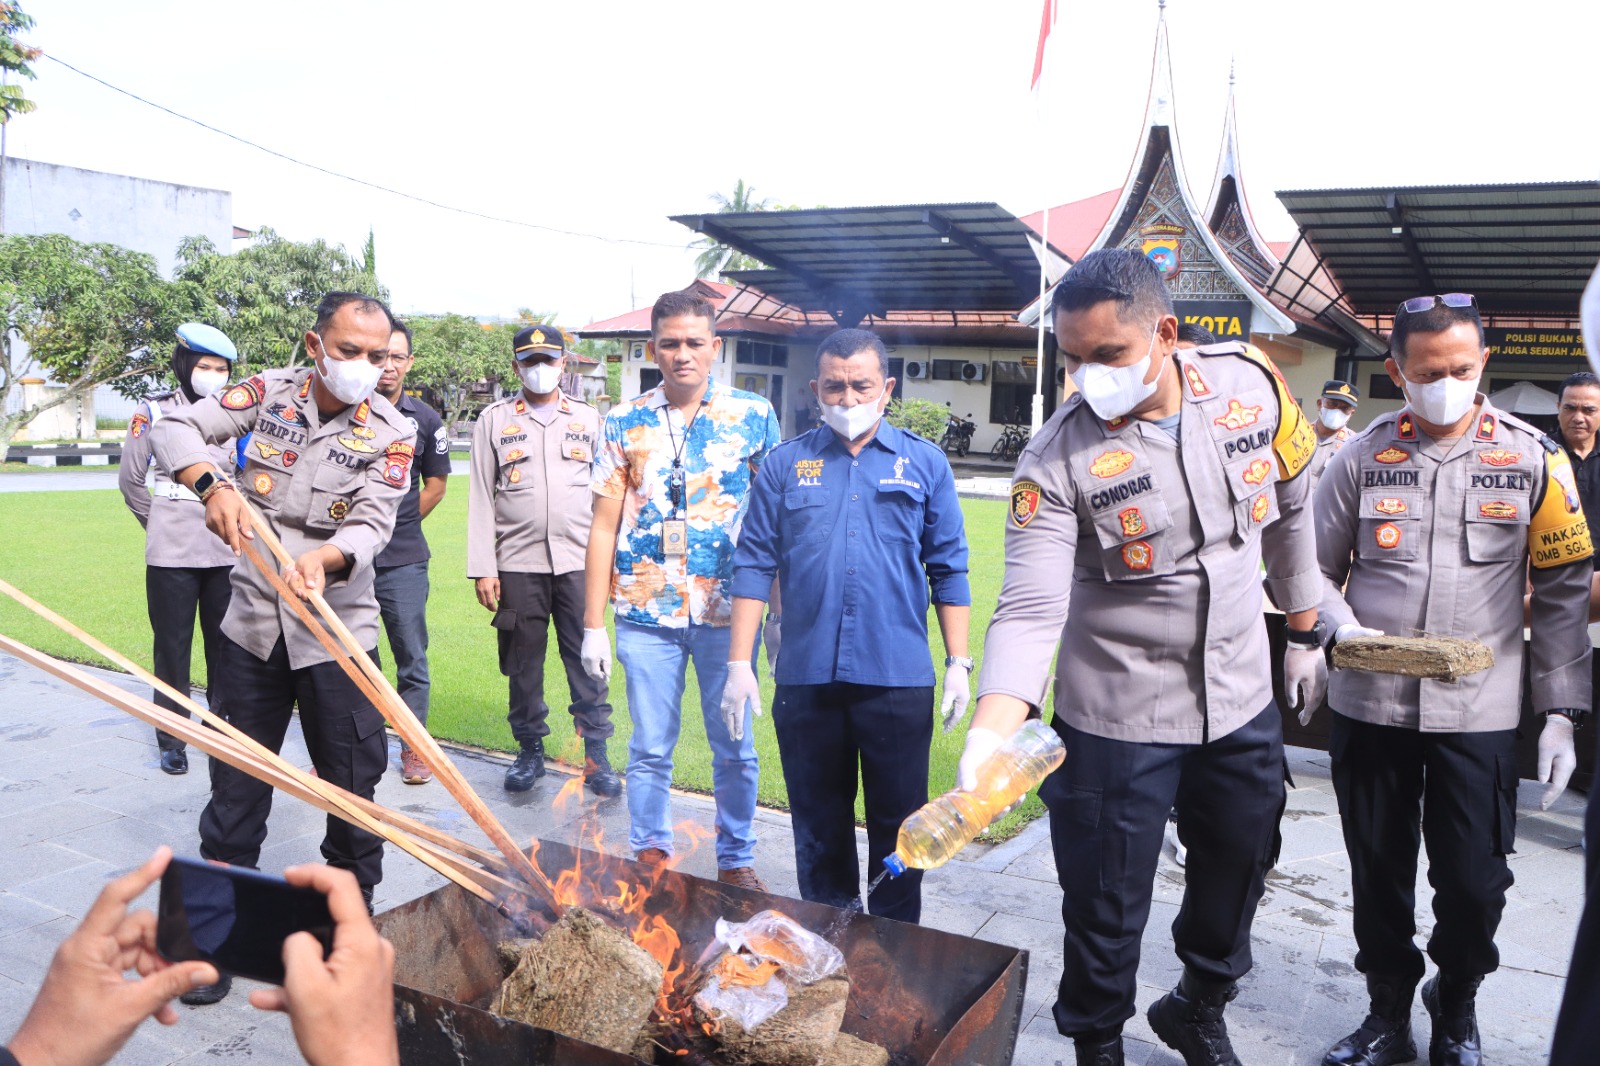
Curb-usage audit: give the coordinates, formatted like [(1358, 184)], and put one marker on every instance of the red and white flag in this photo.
[(1045, 26)]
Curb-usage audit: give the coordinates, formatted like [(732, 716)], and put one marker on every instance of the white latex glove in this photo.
[(772, 636), (957, 694), (981, 743), (1350, 629), (595, 654), (738, 690), (1305, 679), (1557, 758)]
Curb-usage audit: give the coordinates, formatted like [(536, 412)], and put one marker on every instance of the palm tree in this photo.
[(717, 258)]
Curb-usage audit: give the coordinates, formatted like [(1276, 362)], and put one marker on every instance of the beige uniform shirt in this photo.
[(173, 518), (336, 480), (1326, 449), (1157, 549), (529, 506), (1417, 538)]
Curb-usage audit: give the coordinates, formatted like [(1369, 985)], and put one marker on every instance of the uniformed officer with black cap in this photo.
[(185, 567), (1163, 688), (1334, 408)]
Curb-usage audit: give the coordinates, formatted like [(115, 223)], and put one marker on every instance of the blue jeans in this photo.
[(403, 602), (655, 661)]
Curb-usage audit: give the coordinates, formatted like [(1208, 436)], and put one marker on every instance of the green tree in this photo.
[(265, 296), (922, 417), (86, 315), (716, 258), (461, 360), (15, 58)]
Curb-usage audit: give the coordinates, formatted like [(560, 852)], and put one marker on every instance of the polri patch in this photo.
[(137, 425), (1137, 555), (1238, 416), (263, 484), (1025, 497), (1133, 523), (1387, 536), (338, 509)]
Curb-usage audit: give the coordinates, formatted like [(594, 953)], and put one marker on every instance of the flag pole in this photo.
[(1044, 231)]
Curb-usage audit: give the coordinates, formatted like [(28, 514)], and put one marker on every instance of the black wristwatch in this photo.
[(1576, 715), (1310, 638)]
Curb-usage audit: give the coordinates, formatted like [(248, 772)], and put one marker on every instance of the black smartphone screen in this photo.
[(235, 918)]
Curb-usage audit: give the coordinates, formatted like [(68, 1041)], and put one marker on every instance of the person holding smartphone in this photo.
[(341, 1007)]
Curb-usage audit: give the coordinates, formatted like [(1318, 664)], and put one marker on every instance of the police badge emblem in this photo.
[(1025, 497)]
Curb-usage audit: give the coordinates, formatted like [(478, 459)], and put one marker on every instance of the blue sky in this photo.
[(605, 117)]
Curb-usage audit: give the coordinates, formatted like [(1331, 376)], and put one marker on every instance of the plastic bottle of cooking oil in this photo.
[(932, 835)]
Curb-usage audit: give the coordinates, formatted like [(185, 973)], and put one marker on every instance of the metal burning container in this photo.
[(931, 998)]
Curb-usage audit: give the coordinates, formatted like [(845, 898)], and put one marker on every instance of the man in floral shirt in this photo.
[(671, 482)]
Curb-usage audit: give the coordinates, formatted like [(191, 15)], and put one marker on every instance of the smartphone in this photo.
[(235, 918)]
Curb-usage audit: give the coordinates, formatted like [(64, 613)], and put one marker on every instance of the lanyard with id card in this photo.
[(675, 530)]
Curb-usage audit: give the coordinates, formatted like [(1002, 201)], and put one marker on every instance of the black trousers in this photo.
[(1458, 793), (172, 595), (825, 732), (1578, 1026), (343, 732), (527, 603), (1109, 804)]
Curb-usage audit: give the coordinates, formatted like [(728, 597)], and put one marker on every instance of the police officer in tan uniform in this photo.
[(528, 514), (1163, 685), (1334, 408), (1427, 524), (186, 569), (327, 467)]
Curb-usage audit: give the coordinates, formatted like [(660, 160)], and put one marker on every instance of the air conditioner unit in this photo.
[(637, 351), (974, 371), (916, 369)]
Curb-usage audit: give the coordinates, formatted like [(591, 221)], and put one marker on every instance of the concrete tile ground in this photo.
[(81, 800)]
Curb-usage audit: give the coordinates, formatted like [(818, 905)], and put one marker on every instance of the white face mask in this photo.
[(540, 378), (351, 380), (205, 382), (1113, 391), (1334, 420), (1442, 402), (852, 422)]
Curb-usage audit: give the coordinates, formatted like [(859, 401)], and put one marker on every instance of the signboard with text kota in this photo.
[(1228, 320), (1532, 344)]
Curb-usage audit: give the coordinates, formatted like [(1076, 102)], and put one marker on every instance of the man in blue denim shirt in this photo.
[(857, 520)]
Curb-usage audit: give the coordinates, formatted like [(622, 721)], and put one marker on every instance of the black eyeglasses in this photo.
[(1418, 304)]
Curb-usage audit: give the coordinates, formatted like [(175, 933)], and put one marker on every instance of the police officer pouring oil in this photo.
[(1159, 487)]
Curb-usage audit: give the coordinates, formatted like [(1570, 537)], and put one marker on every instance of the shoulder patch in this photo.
[(244, 395), (1558, 533), (1295, 442), (1025, 497)]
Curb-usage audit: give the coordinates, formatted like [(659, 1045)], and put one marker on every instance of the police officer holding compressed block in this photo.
[(1141, 514), (1427, 524), (186, 568), (529, 509), (327, 467)]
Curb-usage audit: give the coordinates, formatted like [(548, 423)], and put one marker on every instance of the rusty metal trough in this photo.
[(931, 998)]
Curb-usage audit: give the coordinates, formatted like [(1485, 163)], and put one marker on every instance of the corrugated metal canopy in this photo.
[(859, 261), (1521, 249)]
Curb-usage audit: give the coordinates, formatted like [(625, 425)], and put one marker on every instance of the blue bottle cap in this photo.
[(892, 862)]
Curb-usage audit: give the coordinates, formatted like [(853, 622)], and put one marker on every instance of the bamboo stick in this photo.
[(273, 770), (396, 712), (418, 829)]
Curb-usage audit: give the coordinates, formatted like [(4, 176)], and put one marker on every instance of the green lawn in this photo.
[(82, 554)]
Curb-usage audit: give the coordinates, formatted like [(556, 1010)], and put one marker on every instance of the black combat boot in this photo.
[(1451, 1003), (598, 775), (1189, 1020), (528, 768), (1385, 1037), (1103, 1047)]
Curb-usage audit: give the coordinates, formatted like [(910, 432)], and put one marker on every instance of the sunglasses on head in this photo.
[(1418, 304)]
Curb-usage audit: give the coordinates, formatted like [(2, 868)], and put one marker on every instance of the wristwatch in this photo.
[(1576, 715), (963, 661), (1310, 638), (208, 483)]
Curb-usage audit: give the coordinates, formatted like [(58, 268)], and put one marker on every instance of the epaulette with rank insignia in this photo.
[(1549, 445), (1295, 442)]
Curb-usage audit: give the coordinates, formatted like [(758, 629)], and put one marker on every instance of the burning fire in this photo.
[(623, 901)]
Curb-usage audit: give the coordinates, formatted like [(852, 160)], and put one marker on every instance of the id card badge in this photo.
[(674, 537)]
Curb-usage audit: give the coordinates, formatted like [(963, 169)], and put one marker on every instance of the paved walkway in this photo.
[(82, 800)]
